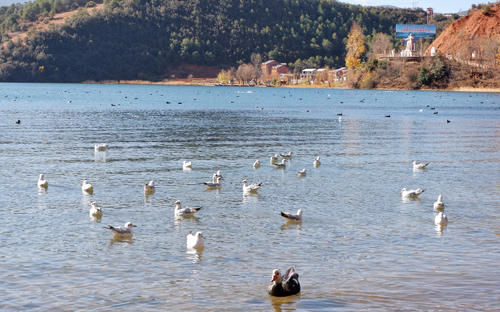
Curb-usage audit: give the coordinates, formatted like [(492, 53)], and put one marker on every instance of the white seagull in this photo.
[(438, 204), (102, 147), (274, 159), (42, 183), (122, 231), (441, 219), (302, 172), (250, 188), (87, 187), (256, 164), (281, 164), (316, 162), (286, 156), (149, 188), (419, 166), (195, 241), (95, 211), (292, 217), (411, 193), (179, 211), (213, 184), (186, 165)]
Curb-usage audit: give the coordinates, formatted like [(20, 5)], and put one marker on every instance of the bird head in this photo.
[(130, 225), (276, 276)]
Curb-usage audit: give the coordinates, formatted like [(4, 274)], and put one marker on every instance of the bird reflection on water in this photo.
[(291, 225), (194, 255), (288, 303)]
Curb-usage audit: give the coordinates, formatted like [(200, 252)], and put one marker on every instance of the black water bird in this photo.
[(285, 285)]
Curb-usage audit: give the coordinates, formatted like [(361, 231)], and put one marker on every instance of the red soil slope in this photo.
[(469, 33)]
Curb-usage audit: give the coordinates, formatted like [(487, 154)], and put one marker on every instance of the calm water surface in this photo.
[(359, 247)]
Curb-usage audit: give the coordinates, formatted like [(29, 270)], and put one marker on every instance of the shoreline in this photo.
[(208, 82)]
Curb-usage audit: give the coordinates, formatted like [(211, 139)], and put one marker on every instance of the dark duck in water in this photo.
[(285, 285)]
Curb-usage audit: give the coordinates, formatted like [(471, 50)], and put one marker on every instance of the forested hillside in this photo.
[(145, 39)]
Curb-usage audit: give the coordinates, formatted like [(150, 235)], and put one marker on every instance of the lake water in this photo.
[(360, 247)]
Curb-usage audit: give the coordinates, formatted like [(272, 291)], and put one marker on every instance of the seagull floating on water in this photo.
[(274, 158), (316, 162), (302, 172), (179, 211), (87, 187), (195, 241), (216, 184), (122, 231), (441, 219), (42, 183), (438, 204), (285, 285), (419, 166), (287, 156), (186, 165), (292, 217), (149, 188), (250, 188), (256, 164), (101, 147), (95, 211), (281, 165), (411, 193)]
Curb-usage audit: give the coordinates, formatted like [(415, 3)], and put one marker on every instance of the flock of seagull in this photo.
[(440, 219), (280, 285)]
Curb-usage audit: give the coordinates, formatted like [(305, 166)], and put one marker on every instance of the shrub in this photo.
[(424, 77), (367, 81)]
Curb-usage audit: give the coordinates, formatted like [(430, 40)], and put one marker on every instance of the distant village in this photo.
[(274, 71)]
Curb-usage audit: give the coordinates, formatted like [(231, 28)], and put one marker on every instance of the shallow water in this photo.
[(360, 247)]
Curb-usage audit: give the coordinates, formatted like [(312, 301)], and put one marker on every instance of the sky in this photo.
[(441, 6)]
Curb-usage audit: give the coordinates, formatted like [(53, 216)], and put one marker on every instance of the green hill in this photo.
[(146, 39)]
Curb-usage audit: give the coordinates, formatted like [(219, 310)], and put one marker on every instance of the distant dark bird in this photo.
[(341, 102), (433, 108), (435, 113), (285, 285), (18, 121), (179, 102), (362, 101), (339, 114), (168, 102), (387, 116), (113, 105), (447, 121)]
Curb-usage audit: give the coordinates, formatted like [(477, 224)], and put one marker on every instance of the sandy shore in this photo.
[(213, 82)]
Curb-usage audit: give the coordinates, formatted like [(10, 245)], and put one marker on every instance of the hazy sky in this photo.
[(442, 6)]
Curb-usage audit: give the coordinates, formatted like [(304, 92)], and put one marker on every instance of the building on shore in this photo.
[(267, 68)]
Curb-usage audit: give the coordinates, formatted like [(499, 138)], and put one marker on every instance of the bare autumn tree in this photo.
[(380, 44), (355, 46), (246, 73), (256, 60)]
